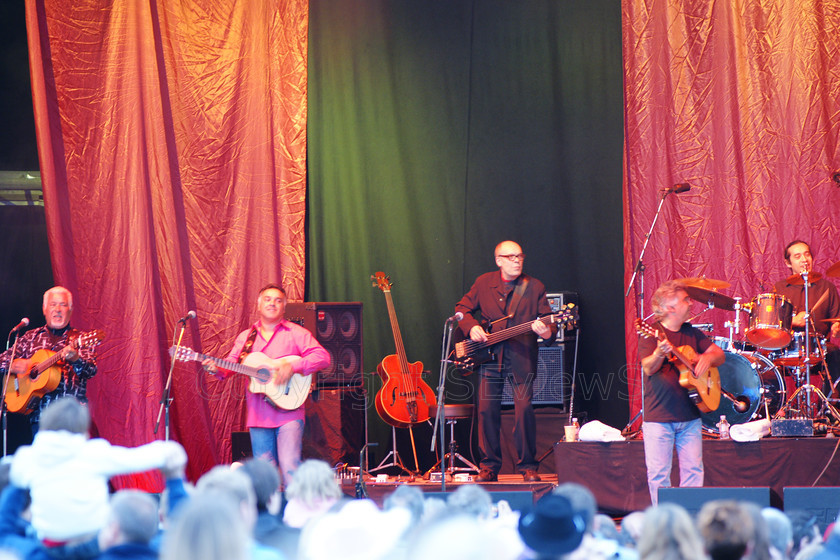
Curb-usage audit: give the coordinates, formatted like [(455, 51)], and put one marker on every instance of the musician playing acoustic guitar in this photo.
[(276, 434), (75, 365), (671, 416), (494, 296)]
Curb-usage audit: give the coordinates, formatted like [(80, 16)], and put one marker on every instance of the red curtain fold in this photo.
[(739, 99), (172, 147)]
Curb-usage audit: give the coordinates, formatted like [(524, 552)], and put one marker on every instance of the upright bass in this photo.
[(404, 399)]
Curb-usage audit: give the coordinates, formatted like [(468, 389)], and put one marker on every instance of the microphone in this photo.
[(23, 323), (187, 317), (678, 188), (455, 318), (835, 176)]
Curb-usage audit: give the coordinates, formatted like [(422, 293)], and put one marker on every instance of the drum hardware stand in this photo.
[(734, 327)]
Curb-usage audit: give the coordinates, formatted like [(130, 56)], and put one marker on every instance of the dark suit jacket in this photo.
[(488, 298)]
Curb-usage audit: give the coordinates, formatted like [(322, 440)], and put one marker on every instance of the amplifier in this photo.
[(338, 327), (551, 385)]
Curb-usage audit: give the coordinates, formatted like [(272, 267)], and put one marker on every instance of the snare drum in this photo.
[(735, 345), (770, 321), (748, 376), (794, 353)]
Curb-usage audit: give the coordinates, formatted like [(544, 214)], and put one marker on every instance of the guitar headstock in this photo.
[(643, 329), (89, 339), (567, 316), (183, 354), (381, 281)]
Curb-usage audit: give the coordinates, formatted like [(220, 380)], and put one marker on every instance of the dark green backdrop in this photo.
[(438, 129)]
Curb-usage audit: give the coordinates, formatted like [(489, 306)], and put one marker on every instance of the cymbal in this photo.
[(833, 270), (704, 283), (710, 297), (797, 280)]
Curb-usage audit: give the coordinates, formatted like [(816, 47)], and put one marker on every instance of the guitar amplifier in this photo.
[(338, 327), (556, 300)]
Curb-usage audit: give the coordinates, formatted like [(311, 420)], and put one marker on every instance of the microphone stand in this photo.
[(640, 268), (166, 400), (444, 354), (6, 378), (361, 489)]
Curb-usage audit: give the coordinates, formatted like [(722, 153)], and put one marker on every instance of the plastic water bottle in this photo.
[(723, 427)]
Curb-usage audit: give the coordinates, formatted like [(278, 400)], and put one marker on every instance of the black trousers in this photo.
[(491, 383)]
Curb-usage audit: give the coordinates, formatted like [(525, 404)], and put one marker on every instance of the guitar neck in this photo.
[(235, 367), (510, 332), (52, 360), (395, 329)]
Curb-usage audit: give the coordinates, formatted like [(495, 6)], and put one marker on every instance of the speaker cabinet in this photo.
[(821, 502), (551, 385), (338, 327), (692, 499)]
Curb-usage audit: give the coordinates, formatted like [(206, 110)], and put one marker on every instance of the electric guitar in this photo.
[(472, 353), (288, 396), (43, 374), (704, 390)]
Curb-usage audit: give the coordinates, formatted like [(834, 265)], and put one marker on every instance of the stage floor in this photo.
[(615, 472), (520, 494)]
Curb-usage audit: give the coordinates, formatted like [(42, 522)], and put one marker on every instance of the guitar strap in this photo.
[(511, 310), (517, 295), (249, 343)]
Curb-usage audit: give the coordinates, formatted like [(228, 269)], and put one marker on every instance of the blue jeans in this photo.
[(280, 446), (660, 439)]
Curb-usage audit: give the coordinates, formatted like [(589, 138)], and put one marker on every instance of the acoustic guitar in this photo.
[(404, 398), (704, 390), (43, 374), (288, 396)]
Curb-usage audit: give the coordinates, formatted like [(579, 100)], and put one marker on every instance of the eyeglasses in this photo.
[(513, 258)]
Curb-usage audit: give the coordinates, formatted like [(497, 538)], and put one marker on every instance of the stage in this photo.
[(615, 472), (510, 487)]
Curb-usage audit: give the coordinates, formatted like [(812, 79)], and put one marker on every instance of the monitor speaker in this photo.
[(338, 327)]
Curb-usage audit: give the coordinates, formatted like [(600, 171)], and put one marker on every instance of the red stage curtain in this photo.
[(739, 99), (172, 145)]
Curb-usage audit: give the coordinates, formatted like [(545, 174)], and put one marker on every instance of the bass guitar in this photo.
[(404, 398), (471, 353), (44, 373), (288, 396)]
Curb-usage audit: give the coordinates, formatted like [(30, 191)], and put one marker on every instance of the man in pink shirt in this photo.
[(276, 433)]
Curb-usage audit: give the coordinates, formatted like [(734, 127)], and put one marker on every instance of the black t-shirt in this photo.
[(665, 399)]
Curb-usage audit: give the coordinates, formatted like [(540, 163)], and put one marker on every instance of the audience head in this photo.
[(805, 528), (471, 499), (458, 536), (132, 519), (583, 501), (669, 533), (727, 529), (604, 527), (66, 414), (235, 484), (208, 527), (266, 482), (358, 530), (314, 481), (409, 498), (631, 528), (553, 527), (779, 529)]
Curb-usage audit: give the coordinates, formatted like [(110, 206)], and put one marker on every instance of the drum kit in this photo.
[(770, 369)]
